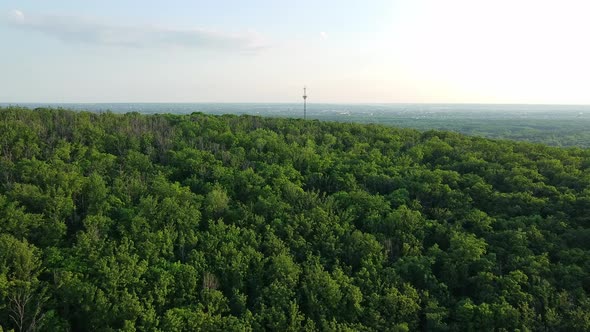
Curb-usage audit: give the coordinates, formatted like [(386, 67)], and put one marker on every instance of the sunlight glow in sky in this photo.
[(423, 51)]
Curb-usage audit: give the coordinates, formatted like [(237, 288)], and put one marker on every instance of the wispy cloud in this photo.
[(324, 35), (90, 31)]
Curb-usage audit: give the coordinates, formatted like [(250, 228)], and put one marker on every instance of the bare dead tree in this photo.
[(25, 311), (210, 281)]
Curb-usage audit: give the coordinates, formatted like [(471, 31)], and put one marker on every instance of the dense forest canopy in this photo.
[(242, 223), (555, 125)]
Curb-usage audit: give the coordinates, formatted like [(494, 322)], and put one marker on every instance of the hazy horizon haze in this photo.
[(457, 51)]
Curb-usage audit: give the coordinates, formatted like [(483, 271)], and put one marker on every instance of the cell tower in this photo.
[(304, 103)]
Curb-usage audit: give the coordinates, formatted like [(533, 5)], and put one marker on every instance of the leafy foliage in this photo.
[(199, 222)]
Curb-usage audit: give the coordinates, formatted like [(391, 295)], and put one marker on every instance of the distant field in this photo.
[(556, 125), (554, 132)]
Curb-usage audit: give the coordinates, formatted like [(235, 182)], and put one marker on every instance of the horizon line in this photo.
[(288, 102)]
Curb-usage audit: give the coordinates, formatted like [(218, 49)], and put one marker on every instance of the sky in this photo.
[(372, 51)]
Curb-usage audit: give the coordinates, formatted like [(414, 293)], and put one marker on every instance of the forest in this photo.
[(554, 125), (202, 222)]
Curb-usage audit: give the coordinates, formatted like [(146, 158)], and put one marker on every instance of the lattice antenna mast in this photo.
[(304, 103)]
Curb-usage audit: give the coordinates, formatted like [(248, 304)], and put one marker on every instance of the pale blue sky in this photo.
[(502, 51)]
